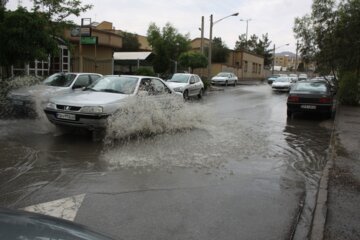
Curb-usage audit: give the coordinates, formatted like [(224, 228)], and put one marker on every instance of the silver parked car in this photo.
[(91, 107), (56, 84), (225, 78), (187, 84)]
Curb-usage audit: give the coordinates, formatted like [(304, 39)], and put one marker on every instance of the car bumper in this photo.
[(218, 82), (309, 107), (88, 121), (285, 89)]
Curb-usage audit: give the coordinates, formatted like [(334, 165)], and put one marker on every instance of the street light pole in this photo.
[(247, 23), (273, 62), (202, 35), (212, 23)]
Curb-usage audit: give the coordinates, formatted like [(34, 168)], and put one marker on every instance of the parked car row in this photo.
[(294, 77)]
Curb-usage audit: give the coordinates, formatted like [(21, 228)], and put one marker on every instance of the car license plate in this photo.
[(66, 116), (18, 102), (308, 106)]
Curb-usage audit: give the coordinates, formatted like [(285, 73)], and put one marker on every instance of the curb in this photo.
[(320, 212)]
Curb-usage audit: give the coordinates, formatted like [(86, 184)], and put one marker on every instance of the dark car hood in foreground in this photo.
[(16, 224)]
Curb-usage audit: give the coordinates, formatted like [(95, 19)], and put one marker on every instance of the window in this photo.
[(245, 66), (159, 87), (259, 70), (82, 81)]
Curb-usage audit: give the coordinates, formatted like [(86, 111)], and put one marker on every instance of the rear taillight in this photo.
[(325, 100), (293, 99)]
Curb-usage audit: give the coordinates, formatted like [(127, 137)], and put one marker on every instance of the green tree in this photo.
[(193, 60), (57, 12), (256, 45), (220, 51), (167, 44), (25, 37), (330, 36), (130, 42)]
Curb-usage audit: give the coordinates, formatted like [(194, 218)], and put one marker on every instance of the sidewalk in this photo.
[(343, 191)]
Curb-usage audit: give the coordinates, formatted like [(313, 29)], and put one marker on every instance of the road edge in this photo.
[(321, 208)]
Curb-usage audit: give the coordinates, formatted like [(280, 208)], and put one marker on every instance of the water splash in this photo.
[(143, 116), (7, 85)]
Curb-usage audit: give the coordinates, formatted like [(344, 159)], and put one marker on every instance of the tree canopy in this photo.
[(167, 45), (193, 60), (130, 42), (256, 45), (329, 36), (25, 37), (220, 52)]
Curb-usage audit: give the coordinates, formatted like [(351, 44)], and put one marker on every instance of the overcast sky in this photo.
[(275, 17)]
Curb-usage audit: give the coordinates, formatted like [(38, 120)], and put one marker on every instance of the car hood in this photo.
[(176, 84), (89, 98)]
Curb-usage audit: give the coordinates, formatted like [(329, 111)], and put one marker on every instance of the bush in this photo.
[(145, 72), (206, 82), (349, 92)]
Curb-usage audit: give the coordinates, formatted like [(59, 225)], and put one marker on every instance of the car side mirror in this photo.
[(192, 81)]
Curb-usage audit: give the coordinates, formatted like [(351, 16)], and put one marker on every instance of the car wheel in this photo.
[(235, 82), (200, 93), (289, 113), (186, 95), (226, 83)]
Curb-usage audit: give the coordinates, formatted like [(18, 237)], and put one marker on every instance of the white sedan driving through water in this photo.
[(91, 107)]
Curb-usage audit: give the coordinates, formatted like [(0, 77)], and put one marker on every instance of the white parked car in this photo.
[(56, 84), (303, 77), (225, 78), (91, 107), (282, 84), (187, 84)]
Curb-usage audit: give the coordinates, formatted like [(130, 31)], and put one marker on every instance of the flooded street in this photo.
[(231, 166)]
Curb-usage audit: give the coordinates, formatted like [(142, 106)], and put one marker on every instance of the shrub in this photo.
[(145, 72), (349, 92)]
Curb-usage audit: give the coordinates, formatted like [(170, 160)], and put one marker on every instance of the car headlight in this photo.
[(92, 109), (178, 89), (51, 105)]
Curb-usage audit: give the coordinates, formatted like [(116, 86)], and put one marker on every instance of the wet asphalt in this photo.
[(244, 172)]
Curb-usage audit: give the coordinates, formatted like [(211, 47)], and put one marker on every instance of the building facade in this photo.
[(244, 64)]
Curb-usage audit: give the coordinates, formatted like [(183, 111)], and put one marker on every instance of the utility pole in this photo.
[(209, 55), (296, 57), (202, 35), (273, 61)]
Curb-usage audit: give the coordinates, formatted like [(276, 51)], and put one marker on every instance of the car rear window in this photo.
[(310, 87)]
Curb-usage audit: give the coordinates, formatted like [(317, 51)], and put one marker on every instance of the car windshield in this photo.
[(179, 78), (310, 87), (60, 80), (115, 84), (282, 79), (223, 75)]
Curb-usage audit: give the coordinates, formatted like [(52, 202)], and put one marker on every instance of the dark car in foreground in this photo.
[(15, 224), (311, 96)]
